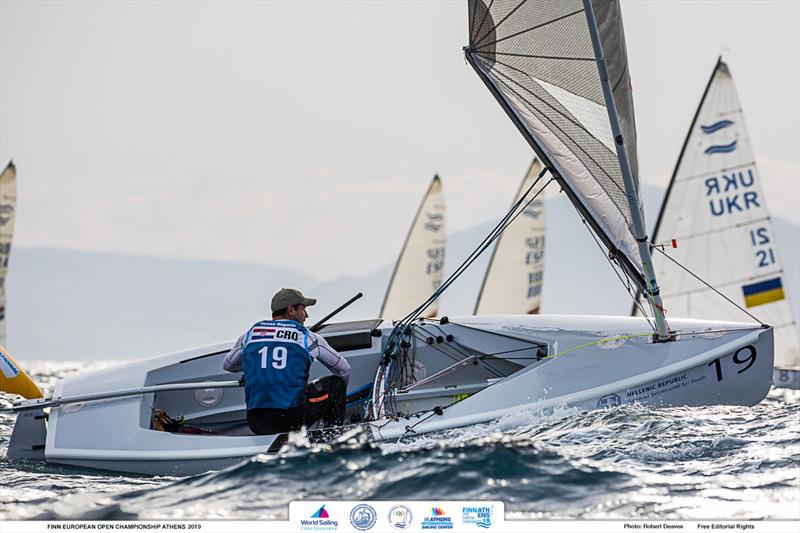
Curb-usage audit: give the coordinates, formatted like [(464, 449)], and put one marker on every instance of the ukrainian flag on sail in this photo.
[(763, 292), (14, 380)]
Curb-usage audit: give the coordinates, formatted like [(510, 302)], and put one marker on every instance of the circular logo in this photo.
[(400, 517), (363, 517)]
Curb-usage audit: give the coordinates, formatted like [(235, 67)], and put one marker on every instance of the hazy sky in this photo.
[(305, 133)]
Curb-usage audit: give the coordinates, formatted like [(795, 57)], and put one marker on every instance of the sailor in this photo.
[(275, 356)]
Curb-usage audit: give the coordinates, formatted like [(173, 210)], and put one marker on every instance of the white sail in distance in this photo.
[(513, 280), (420, 266), (715, 211), (538, 60), (8, 207)]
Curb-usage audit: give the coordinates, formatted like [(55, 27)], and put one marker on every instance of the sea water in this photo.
[(624, 462)]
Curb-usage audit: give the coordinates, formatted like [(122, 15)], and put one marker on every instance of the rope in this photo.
[(403, 325), (626, 282), (701, 280)]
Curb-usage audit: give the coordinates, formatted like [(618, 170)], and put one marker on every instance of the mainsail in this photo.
[(538, 56), (419, 268), (559, 69), (513, 281), (8, 206), (715, 211)]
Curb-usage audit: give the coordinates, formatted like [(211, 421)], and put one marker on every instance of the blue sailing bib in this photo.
[(276, 360)]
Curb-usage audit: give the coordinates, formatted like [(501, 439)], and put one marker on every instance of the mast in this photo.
[(677, 168), (639, 232)]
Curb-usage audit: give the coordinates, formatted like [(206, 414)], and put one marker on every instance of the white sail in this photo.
[(8, 206), (716, 212), (513, 281), (419, 269)]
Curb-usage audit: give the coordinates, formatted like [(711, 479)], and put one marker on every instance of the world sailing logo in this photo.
[(319, 521), (321, 513), (716, 126), (718, 148)]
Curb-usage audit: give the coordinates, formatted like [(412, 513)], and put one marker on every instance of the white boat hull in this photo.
[(590, 362)]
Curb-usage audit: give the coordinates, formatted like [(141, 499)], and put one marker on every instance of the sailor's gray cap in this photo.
[(286, 297)]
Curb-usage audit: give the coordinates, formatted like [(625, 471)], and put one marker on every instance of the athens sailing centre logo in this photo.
[(437, 520)]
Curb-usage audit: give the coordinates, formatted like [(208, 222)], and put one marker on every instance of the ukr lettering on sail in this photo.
[(729, 193)]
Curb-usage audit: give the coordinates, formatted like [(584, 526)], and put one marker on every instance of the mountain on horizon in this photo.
[(65, 304)]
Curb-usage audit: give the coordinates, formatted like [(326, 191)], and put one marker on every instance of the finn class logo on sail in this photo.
[(5, 214), (719, 148), (434, 222)]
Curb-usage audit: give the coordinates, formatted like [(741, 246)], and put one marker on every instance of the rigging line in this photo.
[(569, 118), (701, 280), (405, 323), (486, 14), (542, 25), (634, 295), (493, 332), (535, 345), (564, 352), (502, 20), (464, 351)]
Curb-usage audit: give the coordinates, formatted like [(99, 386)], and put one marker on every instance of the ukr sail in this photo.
[(513, 280), (419, 268), (8, 206), (715, 211)]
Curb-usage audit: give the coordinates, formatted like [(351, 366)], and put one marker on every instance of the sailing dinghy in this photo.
[(715, 212), (558, 68), (513, 279), (419, 268)]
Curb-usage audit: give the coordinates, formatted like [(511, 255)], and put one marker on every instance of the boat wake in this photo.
[(627, 461)]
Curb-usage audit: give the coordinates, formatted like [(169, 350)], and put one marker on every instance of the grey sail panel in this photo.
[(538, 58)]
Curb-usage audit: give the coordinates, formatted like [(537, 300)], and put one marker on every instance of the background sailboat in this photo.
[(8, 206), (419, 268), (513, 280), (715, 210)]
